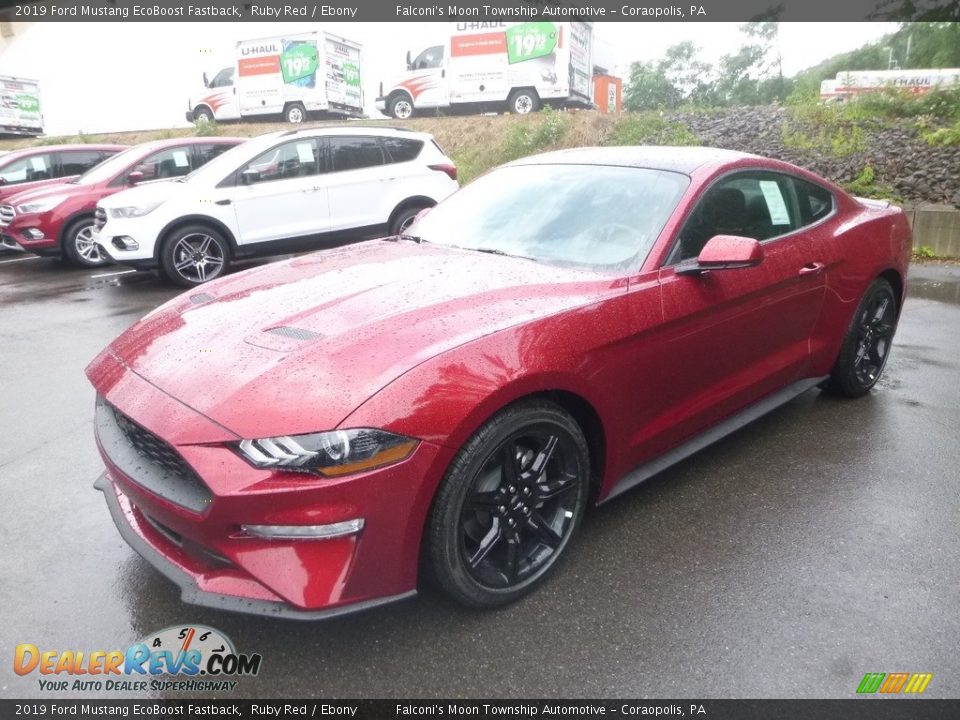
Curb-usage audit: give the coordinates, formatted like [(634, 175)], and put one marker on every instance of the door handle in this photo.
[(812, 268), (225, 201)]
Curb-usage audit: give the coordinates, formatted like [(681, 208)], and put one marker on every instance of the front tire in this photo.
[(508, 506), (400, 108), (203, 115), (78, 246), (193, 255), (866, 346)]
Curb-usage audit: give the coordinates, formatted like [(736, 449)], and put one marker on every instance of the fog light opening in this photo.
[(125, 242)]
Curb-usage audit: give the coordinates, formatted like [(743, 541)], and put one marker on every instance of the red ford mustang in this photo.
[(306, 438)]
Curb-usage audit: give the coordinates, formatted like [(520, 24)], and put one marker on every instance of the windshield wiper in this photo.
[(495, 251)]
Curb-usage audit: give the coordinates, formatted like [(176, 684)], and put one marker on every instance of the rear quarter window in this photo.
[(402, 149), (815, 202)]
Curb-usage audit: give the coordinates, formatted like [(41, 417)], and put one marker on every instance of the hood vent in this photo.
[(201, 298), (294, 333)]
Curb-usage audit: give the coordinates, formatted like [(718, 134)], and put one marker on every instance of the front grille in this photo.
[(152, 448), (99, 218), (7, 213), (148, 460)]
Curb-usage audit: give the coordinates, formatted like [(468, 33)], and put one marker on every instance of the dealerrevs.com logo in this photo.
[(196, 657)]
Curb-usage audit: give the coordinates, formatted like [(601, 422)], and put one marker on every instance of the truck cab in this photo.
[(216, 99)]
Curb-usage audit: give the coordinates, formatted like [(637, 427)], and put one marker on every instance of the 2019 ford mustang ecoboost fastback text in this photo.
[(311, 436)]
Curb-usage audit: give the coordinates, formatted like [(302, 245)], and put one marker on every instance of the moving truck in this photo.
[(287, 76), (20, 106), (857, 82), (491, 65)]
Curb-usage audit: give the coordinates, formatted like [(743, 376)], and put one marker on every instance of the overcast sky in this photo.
[(102, 77)]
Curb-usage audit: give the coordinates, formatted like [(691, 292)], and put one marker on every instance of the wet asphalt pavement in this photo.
[(817, 544)]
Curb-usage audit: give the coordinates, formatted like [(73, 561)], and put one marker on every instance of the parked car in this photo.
[(58, 221), (22, 170), (279, 193), (295, 439)]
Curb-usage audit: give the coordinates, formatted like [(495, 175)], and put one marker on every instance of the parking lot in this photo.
[(816, 545)]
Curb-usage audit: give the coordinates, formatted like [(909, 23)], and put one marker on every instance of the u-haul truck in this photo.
[(491, 65), (859, 82), (20, 106), (288, 76)]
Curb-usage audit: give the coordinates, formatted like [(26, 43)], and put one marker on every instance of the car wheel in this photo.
[(404, 219), (295, 113), (509, 505), (523, 102), (866, 345), (202, 114), (79, 247), (400, 108), (194, 255)]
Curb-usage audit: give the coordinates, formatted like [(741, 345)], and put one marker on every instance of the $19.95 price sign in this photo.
[(530, 40)]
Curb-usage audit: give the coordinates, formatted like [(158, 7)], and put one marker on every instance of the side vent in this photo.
[(294, 333)]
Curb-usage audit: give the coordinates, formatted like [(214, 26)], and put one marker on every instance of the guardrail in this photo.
[(936, 227)]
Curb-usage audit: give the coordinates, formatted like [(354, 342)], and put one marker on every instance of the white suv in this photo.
[(274, 194)]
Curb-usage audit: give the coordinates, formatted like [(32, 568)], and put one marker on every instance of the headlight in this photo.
[(133, 211), (41, 206), (331, 454)]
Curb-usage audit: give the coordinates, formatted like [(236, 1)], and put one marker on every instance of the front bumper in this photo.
[(196, 538), (141, 257), (35, 233), (198, 586)]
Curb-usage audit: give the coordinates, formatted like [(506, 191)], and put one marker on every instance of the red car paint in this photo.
[(430, 342), (82, 198), (56, 176)]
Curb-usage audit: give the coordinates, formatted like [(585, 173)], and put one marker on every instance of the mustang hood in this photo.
[(311, 338)]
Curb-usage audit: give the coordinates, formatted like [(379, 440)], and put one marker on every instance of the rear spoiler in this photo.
[(873, 204)]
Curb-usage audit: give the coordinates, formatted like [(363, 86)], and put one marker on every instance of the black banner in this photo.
[(479, 10), (854, 709)]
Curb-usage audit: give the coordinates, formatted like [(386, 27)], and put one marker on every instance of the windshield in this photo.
[(110, 167), (594, 216)]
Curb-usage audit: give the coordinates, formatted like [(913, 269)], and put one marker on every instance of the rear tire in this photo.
[(295, 113), (523, 102), (78, 246), (403, 219), (508, 506), (866, 346), (193, 255)]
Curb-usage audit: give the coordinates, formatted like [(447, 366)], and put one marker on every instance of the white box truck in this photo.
[(852, 83), (483, 66), (287, 76), (20, 106)]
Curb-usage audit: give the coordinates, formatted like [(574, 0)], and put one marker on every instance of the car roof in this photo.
[(37, 149), (353, 129), (173, 142), (682, 159)]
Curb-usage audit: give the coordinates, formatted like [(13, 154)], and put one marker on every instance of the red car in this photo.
[(305, 437), (35, 167), (58, 220)]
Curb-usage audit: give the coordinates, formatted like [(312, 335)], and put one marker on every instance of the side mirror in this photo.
[(206, 80), (250, 176), (724, 252), (134, 177), (409, 61)]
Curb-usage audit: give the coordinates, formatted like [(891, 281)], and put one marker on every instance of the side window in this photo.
[(402, 149), (815, 202), (78, 162), (171, 163), (224, 78), (429, 58), (206, 153), (290, 160), (354, 153), (35, 167), (758, 205)]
